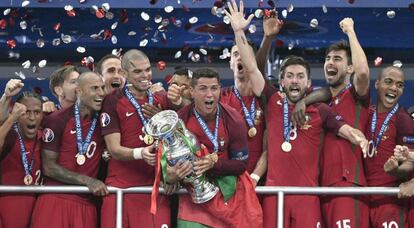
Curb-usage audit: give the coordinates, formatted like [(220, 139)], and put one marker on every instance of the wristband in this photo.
[(255, 177), (137, 153)]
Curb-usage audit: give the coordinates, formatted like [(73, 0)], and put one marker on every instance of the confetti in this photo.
[(106, 7), (157, 19), (168, 9), (56, 42), (145, 16), (314, 23), (40, 43), (114, 25), (114, 39), (377, 61), (11, 43), (284, 13), (397, 63), (42, 63), (26, 64), (195, 57), (132, 33), (20, 75), (161, 65), (203, 51), (390, 14), (226, 20), (80, 49), (252, 28), (143, 43), (193, 20), (3, 23), (66, 38), (6, 11), (177, 55), (290, 8), (56, 27), (324, 9), (258, 13), (23, 25), (25, 3)]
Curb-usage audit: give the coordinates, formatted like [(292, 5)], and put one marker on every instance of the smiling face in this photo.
[(206, 95), (295, 82), (113, 74), (337, 68), (390, 87), (29, 122), (139, 74), (91, 91)]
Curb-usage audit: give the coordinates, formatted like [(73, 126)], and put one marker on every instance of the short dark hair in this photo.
[(204, 73), (181, 71), (58, 77), (294, 60), (28, 94), (98, 67), (341, 45)]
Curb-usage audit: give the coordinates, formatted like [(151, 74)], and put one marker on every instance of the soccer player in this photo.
[(389, 126), (71, 150), (181, 80), (350, 99), (111, 70), (133, 158), (20, 162), (62, 83), (220, 128)]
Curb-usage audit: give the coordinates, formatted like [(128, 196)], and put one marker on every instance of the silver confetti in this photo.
[(66, 38), (20, 74), (145, 16), (114, 39), (177, 55), (68, 7), (6, 11), (132, 33), (56, 42), (157, 19), (143, 43), (290, 8), (226, 20), (80, 49), (214, 10), (42, 63), (252, 28), (258, 13), (26, 64), (203, 51), (23, 25), (106, 7), (40, 43), (284, 13), (314, 23), (324, 9), (25, 3), (195, 58), (109, 15), (390, 14), (397, 63), (114, 25), (168, 9), (193, 20)]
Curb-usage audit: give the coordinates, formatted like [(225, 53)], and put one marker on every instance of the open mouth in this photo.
[(331, 72), (295, 91), (31, 126), (240, 67), (390, 98), (98, 100), (116, 84)]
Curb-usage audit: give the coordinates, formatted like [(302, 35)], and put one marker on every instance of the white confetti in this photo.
[(40, 43), (226, 20), (195, 58), (193, 20), (143, 43), (114, 39), (258, 13), (314, 23), (68, 7), (252, 28), (80, 49), (324, 9), (284, 13), (203, 51), (66, 38), (6, 11), (25, 3), (109, 15), (145, 16), (26, 64), (20, 74), (177, 55), (132, 33), (391, 14), (56, 42), (157, 19), (290, 8), (168, 9), (106, 7), (214, 10), (42, 63), (23, 25), (397, 63), (114, 25)]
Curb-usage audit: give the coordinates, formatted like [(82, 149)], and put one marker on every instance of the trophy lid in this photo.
[(162, 123)]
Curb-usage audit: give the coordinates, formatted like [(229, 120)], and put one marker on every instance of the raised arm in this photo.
[(355, 136), (238, 23), (13, 87), (18, 110), (271, 27), (57, 172), (359, 60)]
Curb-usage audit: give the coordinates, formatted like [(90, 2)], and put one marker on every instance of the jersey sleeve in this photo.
[(364, 100), (405, 129), (52, 135), (109, 119), (330, 119)]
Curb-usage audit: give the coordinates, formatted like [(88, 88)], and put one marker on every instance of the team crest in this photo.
[(48, 135), (105, 119)]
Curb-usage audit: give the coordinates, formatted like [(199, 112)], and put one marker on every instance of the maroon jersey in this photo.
[(255, 143), (11, 166), (340, 160), (119, 116), (303, 160), (400, 126), (59, 135)]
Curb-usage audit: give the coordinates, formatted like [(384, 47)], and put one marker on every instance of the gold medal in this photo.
[(80, 159), (148, 139), (252, 132), (28, 179), (286, 146)]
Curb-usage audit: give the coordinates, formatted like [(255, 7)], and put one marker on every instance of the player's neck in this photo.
[(207, 117), (84, 110), (381, 108), (138, 94), (65, 103), (244, 86)]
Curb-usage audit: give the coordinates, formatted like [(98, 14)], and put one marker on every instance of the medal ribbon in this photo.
[(27, 168), (137, 107), (287, 125), (83, 145), (383, 126), (203, 125), (347, 87), (249, 117)]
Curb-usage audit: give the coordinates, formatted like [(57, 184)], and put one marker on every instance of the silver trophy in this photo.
[(180, 144)]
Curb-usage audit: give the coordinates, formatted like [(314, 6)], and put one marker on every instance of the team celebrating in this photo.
[(251, 134)]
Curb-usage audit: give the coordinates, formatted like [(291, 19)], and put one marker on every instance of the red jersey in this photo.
[(340, 160), (11, 167), (255, 143), (303, 160), (400, 125), (119, 116), (59, 135)]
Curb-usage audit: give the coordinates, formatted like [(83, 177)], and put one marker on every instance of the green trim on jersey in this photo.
[(187, 224)]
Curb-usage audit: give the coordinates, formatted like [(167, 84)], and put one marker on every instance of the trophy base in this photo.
[(208, 193)]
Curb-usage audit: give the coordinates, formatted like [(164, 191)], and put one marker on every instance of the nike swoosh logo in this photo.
[(279, 103), (72, 132), (128, 114)]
